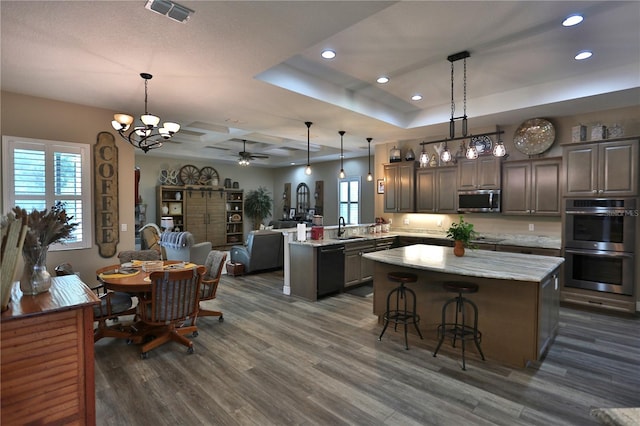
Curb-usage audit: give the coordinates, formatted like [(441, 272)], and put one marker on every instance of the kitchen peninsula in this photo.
[(518, 299)]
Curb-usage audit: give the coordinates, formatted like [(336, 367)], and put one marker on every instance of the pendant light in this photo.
[(307, 170), (341, 175), (424, 157), (445, 156), (499, 150), (471, 152), (369, 176)]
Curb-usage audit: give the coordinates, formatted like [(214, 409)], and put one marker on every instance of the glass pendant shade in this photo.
[(369, 177), (424, 159), (471, 153), (499, 150), (121, 121), (341, 174), (150, 120), (446, 155), (307, 170), (172, 127)]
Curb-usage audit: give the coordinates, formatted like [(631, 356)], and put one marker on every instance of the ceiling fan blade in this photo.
[(258, 156)]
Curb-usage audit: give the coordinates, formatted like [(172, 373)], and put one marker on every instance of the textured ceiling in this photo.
[(252, 70)]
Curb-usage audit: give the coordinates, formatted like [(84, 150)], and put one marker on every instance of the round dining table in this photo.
[(118, 278)]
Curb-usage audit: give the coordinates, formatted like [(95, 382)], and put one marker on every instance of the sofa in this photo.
[(263, 250)]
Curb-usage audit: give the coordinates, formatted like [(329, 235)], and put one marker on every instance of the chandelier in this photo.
[(470, 152), (148, 135)]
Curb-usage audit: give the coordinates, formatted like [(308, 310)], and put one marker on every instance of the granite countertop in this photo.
[(617, 416), (334, 241), (520, 240), (475, 263)]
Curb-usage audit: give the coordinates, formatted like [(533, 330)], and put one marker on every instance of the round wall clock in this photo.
[(483, 144)]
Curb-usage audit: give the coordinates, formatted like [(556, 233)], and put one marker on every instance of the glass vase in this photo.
[(35, 277)]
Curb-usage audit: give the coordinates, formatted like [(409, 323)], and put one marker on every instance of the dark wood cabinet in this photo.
[(436, 190), (601, 168), (531, 187), (399, 187), (481, 173)]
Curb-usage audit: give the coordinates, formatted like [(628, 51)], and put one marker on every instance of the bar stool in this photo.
[(460, 329), (401, 314)]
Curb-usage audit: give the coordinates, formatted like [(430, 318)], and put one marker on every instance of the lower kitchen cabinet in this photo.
[(529, 250), (548, 319), (356, 269)]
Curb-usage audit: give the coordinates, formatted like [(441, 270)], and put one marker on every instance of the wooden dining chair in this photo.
[(214, 264), (172, 306), (113, 304)]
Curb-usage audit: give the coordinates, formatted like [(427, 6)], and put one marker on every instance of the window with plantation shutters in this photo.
[(349, 199), (39, 173)]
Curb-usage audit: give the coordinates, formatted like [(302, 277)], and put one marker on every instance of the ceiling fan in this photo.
[(246, 157)]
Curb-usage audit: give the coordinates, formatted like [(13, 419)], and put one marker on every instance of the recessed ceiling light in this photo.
[(383, 80), (585, 54), (572, 20), (328, 54), (416, 98)]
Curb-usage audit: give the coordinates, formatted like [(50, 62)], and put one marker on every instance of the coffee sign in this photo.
[(105, 155)]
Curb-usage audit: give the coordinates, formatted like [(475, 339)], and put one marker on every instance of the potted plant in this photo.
[(257, 205), (462, 233)]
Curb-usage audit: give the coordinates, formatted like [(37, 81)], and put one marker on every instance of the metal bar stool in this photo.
[(401, 314), (460, 329)]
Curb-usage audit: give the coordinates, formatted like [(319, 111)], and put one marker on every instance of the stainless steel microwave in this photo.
[(479, 201)]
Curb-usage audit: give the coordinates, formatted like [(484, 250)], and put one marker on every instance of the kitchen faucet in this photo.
[(341, 226)]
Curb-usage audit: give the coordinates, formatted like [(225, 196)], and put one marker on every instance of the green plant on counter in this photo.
[(462, 231), (257, 205)]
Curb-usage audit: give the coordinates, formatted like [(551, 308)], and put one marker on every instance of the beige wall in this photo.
[(40, 118)]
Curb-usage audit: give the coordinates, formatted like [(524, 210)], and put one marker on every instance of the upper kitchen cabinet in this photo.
[(603, 168), (531, 187), (436, 190), (399, 187), (482, 173)]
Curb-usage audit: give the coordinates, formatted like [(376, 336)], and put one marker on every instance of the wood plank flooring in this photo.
[(279, 360)]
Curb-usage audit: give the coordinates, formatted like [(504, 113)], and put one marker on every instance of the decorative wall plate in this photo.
[(236, 217), (483, 144), (534, 136)]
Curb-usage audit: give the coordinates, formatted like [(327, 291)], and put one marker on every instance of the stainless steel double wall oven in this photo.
[(599, 244)]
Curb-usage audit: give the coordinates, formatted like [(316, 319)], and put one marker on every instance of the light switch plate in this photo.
[(531, 227), (123, 227)]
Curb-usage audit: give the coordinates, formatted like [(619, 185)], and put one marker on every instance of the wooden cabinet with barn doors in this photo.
[(205, 215)]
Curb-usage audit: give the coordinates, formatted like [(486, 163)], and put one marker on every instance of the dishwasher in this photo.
[(330, 269)]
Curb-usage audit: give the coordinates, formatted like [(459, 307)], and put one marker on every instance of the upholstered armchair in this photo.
[(181, 246), (264, 250), (130, 255)]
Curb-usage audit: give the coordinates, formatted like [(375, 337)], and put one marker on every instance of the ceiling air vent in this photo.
[(170, 9)]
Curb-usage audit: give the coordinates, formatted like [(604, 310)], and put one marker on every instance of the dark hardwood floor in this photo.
[(278, 360)]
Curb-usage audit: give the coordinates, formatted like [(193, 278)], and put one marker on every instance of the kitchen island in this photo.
[(518, 297)]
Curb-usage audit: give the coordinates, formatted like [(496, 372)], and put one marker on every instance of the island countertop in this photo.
[(475, 263)]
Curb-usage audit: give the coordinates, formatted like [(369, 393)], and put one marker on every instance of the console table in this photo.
[(46, 356)]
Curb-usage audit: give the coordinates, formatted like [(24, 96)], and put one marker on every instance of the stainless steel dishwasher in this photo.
[(330, 269)]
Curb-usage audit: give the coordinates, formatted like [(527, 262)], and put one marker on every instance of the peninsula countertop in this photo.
[(475, 263)]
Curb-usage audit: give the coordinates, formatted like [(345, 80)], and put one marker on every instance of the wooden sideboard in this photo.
[(46, 356)]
